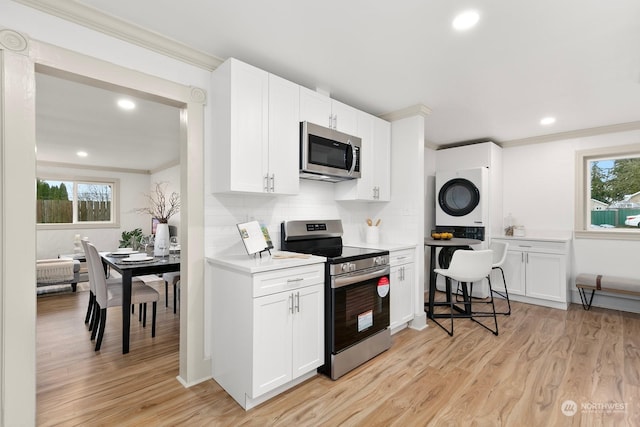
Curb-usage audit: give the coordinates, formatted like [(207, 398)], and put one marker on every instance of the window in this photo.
[(76, 202), (608, 192)]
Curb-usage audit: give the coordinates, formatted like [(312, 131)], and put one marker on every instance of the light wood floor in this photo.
[(542, 358)]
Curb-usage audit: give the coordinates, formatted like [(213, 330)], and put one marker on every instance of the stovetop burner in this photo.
[(323, 238)]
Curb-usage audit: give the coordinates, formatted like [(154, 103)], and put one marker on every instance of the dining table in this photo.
[(450, 245), (128, 270)]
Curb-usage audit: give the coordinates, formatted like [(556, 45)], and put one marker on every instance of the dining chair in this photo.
[(467, 267), (111, 296), (89, 318), (499, 256), (174, 279)]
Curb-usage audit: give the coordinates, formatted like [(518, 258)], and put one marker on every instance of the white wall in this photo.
[(224, 211), (539, 190)]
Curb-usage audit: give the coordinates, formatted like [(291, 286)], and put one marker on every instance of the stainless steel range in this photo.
[(356, 293)]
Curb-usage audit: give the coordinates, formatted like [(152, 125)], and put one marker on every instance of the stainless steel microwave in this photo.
[(327, 154)]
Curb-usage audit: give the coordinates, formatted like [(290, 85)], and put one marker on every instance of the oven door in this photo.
[(359, 306)]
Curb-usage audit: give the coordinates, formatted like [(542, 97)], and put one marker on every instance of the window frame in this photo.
[(115, 202), (582, 201)]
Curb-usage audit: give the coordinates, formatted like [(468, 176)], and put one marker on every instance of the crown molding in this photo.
[(414, 110), (92, 18), (44, 163), (580, 133), (172, 163)]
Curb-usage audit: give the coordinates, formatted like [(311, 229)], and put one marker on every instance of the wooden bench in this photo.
[(611, 284)]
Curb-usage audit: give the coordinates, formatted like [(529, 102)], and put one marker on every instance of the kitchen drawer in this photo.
[(285, 279), (547, 246), (400, 257)]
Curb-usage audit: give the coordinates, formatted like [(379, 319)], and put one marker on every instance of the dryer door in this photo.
[(458, 197)]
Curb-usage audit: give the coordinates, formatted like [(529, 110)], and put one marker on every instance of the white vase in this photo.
[(162, 235)]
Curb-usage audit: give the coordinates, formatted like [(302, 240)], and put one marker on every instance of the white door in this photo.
[(315, 108), (284, 136), (308, 329), (546, 276), (514, 272), (249, 127), (272, 325)]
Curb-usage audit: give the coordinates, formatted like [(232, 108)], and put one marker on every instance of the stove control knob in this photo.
[(344, 267), (352, 267)]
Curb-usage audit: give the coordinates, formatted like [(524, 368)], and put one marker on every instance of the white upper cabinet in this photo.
[(255, 131), (375, 164), (324, 111), (284, 136)]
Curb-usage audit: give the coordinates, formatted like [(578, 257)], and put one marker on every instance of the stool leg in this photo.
[(505, 295), (451, 302)]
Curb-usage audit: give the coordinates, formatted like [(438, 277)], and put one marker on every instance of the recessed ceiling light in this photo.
[(126, 104), (465, 20), (548, 121), (82, 154)]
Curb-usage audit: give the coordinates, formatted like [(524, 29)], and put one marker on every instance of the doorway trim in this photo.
[(20, 57)]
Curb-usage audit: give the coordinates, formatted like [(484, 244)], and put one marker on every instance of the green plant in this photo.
[(131, 239)]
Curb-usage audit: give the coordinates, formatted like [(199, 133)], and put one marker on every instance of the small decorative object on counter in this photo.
[(508, 225), (373, 231), (441, 235)]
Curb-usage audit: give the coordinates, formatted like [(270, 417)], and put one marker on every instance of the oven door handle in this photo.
[(348, 279)]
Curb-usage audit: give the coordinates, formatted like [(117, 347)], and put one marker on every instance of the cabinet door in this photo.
[(284, 136), (249, 127), (546, 276), (345, 118), (513, 271), (308, 329), (381, 171), (401, 293), (272, 346), (315, 108)]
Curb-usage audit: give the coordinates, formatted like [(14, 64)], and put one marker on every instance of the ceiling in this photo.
[(575, 60), (73, 116)]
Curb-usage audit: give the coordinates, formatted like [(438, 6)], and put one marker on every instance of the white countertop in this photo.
[(250, 264), (539, 236)]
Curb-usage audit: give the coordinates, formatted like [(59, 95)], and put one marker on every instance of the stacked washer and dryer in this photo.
[(468, 196)]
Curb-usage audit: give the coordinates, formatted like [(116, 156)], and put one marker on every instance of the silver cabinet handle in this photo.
[(335, 121), (273, 182), (265, 181), (297, 279), (291, 303), (331, 121), (298, 302)]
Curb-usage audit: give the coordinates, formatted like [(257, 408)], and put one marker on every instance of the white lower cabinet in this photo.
[(536, 272), (402, 285), (268, 330)]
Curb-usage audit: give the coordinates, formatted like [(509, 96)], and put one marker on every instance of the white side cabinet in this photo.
[(268, 330), (536, 271), (255, 131), (375, 182), (402, 281), (324, 111)]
